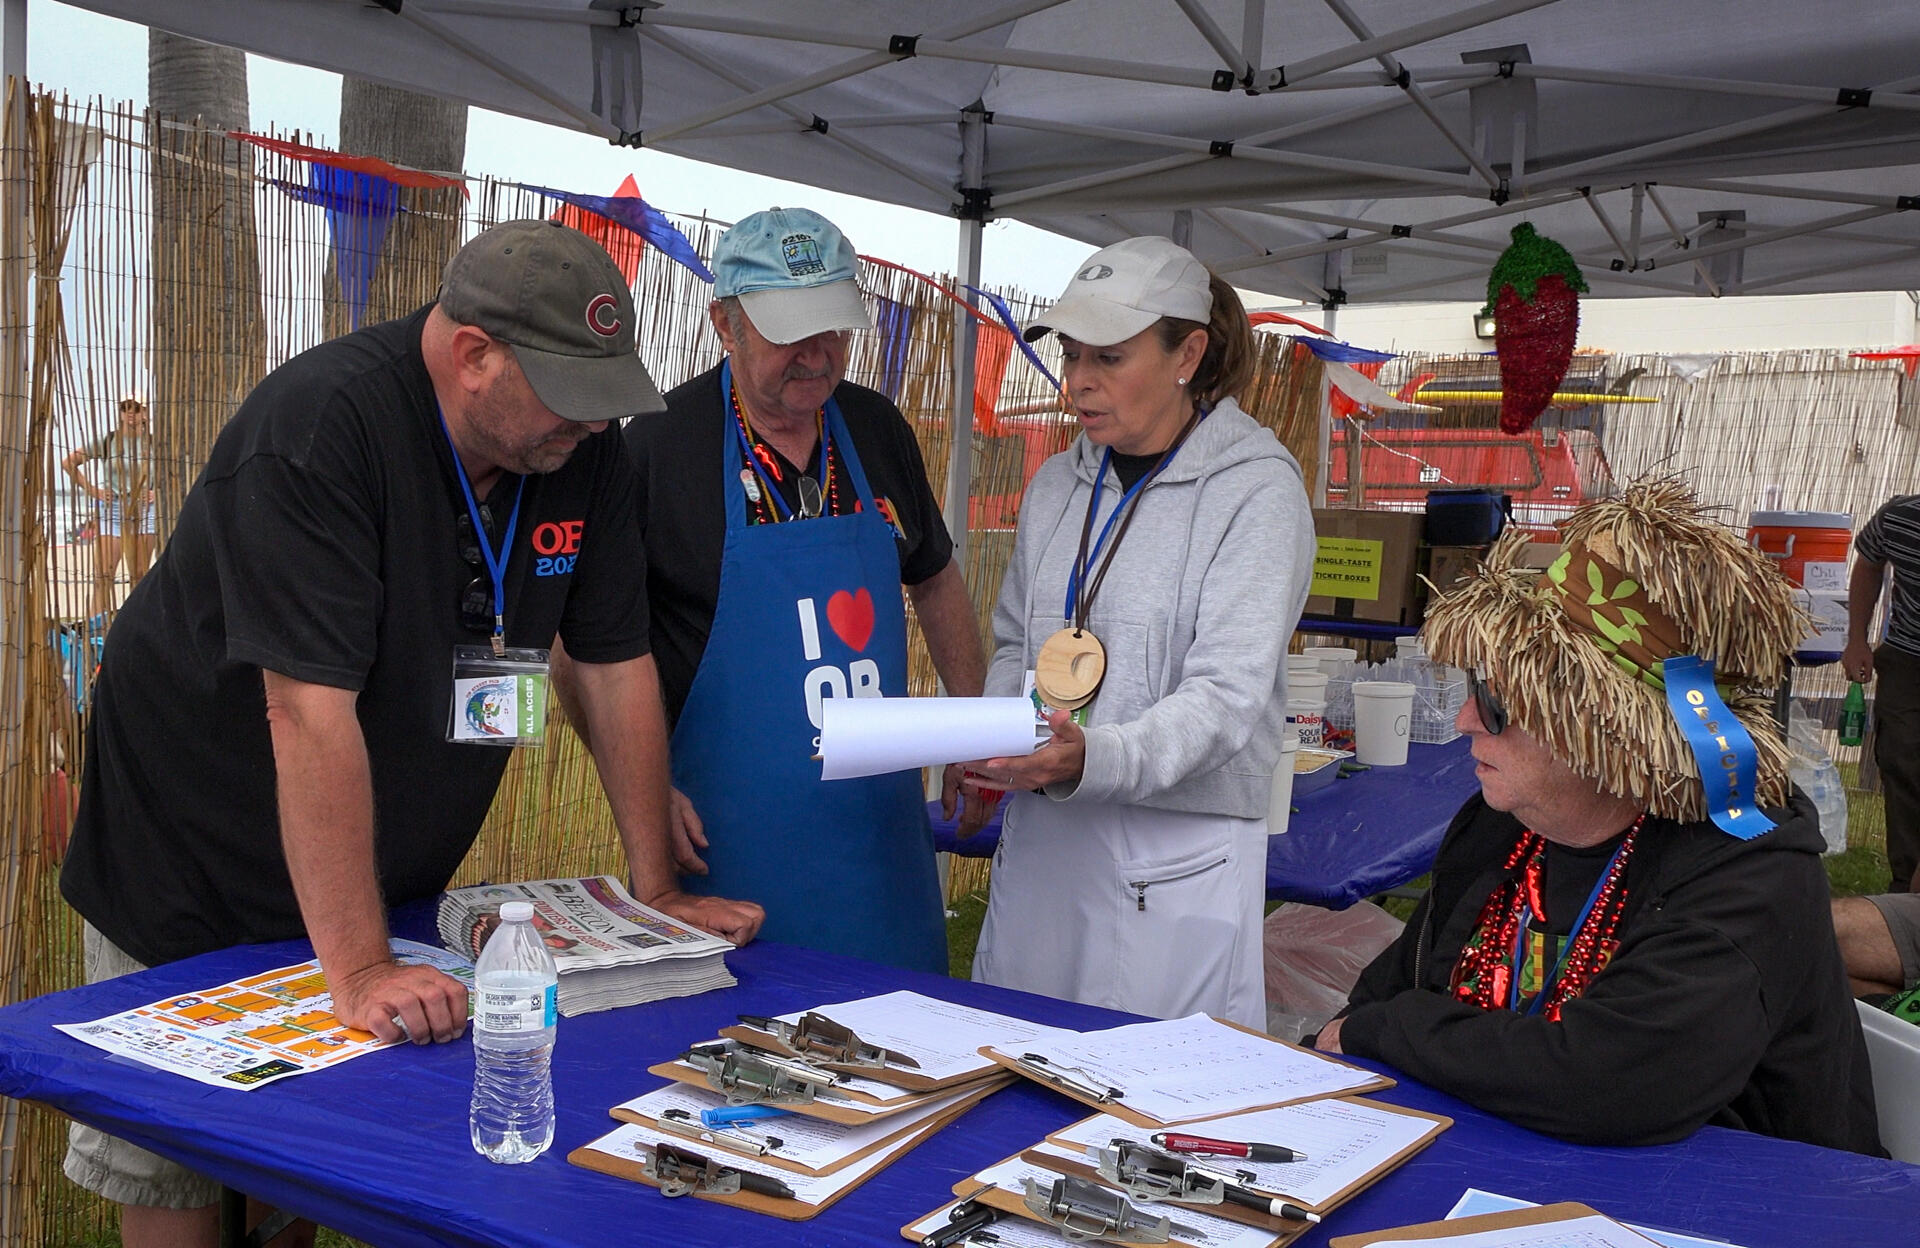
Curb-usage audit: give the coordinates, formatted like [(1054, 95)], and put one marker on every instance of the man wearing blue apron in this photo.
[(783, 508)]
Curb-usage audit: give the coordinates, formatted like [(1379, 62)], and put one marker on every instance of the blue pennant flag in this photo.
[(1729, 764), (1342, 353), (1005, 314), (895, 324), (359, 208), (639, 216)]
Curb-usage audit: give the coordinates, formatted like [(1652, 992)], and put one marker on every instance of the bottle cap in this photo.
[(516, 912)]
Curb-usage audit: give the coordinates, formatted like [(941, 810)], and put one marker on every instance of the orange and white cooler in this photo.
[(1811, 547)]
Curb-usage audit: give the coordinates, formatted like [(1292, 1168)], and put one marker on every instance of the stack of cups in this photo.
[(1382, 722), (1409, 647), (1307, 706), (1333, 660), (1280, 804)]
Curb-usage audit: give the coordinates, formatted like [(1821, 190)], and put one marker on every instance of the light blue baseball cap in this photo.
[(794, 273)]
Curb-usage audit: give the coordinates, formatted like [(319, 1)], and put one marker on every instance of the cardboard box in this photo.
[(1365, 565), (1447, 565)]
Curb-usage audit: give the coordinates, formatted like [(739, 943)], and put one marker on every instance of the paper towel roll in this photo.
[(874, 736)]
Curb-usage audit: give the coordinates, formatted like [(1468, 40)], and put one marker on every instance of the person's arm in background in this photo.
[(619, 704), (71, 466), (325, 795), (1863, 594)]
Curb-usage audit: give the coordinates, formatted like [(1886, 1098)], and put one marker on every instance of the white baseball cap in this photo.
[(1126, 288)]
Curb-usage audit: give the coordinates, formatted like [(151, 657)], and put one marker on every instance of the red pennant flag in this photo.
[(356, 164), (621, 243)]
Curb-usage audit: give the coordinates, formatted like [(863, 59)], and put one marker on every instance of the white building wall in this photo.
[(1658, 326)]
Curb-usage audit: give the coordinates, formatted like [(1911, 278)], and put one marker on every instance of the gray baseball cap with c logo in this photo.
[(558, 300)]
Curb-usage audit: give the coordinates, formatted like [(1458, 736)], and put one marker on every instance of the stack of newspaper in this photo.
[(611, 950)]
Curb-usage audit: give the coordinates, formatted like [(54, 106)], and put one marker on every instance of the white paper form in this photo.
[(1184, 1069), (943, 1036), (1474, 1201), (1589, 1231), (1191, 1226), (812, 1143), (874, 736), (1344, 1143), (633, 1142)]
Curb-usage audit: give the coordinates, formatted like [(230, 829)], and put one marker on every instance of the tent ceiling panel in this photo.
[(1104, 120)]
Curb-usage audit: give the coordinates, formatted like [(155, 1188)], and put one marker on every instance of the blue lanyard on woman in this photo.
[(1083, 562), (496, 561), (1520, 939)]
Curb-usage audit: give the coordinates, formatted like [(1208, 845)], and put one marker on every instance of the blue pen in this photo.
[(738, 1115)]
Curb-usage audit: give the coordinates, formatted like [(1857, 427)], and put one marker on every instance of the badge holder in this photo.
[(1081, 1209), (819, 1039), (750, 1077), (499, 699), (1148, 1173)]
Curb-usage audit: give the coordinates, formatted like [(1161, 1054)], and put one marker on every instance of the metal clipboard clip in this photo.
[(1148, 1173), (1081, 1209), (1067, 1079), (680, 1122), (819, 1039), (680, 1172), (748, 1076)]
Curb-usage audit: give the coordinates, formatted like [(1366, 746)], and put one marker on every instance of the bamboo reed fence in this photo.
[(146, 256)]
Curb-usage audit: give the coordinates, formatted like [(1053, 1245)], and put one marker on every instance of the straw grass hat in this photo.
[(1575, 653)]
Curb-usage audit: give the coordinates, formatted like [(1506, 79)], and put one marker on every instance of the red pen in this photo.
[(1205, 1146)]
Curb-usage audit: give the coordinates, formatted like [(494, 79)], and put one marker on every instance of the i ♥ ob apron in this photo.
[(807, 610)]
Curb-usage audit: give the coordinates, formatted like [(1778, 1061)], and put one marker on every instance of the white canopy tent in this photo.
[(1333, 150)]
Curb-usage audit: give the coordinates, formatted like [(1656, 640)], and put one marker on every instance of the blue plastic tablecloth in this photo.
[(1370, 832), (378, 1147)]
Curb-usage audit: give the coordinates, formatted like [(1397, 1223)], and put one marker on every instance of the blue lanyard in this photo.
[(1520, 940), (753, 461), (1084, 563), (496, 560)]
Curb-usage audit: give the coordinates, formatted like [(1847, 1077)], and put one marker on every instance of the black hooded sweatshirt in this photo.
[(1725, 1002)]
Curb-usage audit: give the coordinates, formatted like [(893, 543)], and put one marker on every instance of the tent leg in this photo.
[(973, 159)]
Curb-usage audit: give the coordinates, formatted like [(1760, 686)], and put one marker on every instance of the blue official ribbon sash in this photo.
[(1729, 763)]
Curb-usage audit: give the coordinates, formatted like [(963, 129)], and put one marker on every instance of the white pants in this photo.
[(1155, 912)]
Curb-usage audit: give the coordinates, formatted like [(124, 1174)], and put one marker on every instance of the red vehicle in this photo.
[(1546, 471)]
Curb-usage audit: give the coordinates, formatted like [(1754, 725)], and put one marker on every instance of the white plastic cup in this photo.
[(1303, 663), (1409, 647), (1308, 717), (1334, 660), (1307, 687), (1280, 804), (1382, 722)]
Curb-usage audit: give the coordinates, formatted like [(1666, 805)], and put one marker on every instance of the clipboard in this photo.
[(1458, 1228), (720, 1151), (589, 1158), (1009, 1202), (897, 1076), (1253, 1217), (1119, 1109), (831, 1111)]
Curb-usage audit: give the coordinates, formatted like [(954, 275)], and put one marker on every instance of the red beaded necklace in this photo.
[(1484, 973), (760, 501)]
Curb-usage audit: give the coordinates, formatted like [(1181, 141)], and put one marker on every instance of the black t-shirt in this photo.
[(677, 456), (320, 542)]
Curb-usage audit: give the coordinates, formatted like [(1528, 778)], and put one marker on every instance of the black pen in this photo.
[(1247, 1198), (774, 1187), (963, 1220)]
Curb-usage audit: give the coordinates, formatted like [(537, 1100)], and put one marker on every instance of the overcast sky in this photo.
[(87, 55)]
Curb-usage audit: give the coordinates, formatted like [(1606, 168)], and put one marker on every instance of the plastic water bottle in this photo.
[(1853, 715), (516, 990)]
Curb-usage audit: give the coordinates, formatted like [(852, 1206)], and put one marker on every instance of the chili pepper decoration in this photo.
[(1531, 295)]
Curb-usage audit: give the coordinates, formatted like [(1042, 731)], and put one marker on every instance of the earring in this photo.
[(1180, 382)]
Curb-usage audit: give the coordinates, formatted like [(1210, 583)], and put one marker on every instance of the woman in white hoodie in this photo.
[(1161, 564)]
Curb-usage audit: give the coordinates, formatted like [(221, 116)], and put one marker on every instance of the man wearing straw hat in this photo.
[(784, 508), (290, 733), (1614, 950)]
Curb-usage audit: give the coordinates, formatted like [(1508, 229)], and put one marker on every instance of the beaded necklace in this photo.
[(763, 495), (1488, 971)]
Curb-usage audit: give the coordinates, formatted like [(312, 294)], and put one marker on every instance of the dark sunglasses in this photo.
[(476, 600), (1493, 712)]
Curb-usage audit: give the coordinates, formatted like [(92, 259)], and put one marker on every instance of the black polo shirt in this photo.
[(320, 542), (1892, 537), (678, 458)]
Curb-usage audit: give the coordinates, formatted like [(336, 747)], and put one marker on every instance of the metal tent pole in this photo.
[(973, 219)]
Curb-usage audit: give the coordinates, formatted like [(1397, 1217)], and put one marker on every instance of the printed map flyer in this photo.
[(252, 1031)]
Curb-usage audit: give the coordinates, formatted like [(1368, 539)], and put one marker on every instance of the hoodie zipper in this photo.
[(1140, 887)]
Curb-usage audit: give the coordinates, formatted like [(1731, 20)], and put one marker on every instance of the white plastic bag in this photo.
[(1814, 771), (1313, 958)]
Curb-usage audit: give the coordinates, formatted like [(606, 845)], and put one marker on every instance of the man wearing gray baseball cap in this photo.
[(784, 507), (294, 714)]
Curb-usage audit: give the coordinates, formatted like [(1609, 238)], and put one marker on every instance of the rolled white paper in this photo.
[(874, 736)]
